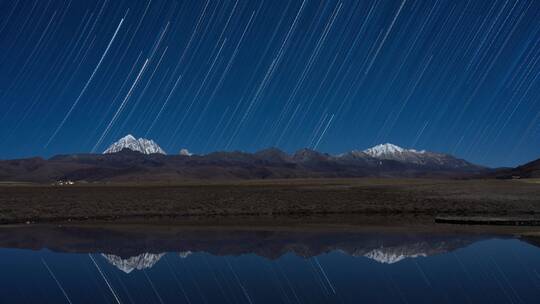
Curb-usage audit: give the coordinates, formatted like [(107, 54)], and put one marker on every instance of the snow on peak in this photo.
[(143, 145), (139, 262), (185, 152), (185, 254), (388, 149), (383, 149), (390, 257)]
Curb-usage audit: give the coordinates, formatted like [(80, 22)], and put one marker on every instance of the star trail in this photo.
[(458, 77)]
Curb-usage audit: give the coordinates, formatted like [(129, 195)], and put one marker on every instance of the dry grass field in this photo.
[(275, 200)]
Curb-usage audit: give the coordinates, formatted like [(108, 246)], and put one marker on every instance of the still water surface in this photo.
[(271, 268)]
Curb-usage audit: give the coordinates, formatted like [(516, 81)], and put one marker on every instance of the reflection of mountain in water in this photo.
[(386, 256), (395, 253), (133, 249), (184, 254), (139, 262), (386, 251)]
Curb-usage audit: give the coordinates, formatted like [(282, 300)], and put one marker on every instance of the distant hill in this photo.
[(528, 170), (143, 160)]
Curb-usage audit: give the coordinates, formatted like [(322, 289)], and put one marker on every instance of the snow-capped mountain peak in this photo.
[(128, 137), (143, 145), (139, 262), (390, 154), (383, 149), (391, 257), (185, 152), (185, 254), (388, 149)]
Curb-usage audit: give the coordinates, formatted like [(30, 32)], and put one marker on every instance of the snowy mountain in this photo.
[(392, 152), (391, 256), (144, 160), (185, 152), (143, 145), (139, 262), (389, 150), (393, 252), (185, 254)]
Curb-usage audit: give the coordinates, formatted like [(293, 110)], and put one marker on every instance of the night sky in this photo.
[(453, 76)]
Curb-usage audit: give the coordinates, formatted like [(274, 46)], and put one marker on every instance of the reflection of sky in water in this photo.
[(487, 271)]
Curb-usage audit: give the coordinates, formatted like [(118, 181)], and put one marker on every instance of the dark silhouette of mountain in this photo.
[(382, 249), (127, 165), (131, 159), (528, 170), (130, 250)]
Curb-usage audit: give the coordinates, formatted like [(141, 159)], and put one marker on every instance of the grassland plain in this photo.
[(269, 201)]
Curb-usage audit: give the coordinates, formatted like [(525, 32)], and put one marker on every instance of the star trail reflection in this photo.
[(272, 267)]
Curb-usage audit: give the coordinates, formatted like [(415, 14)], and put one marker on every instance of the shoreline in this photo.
[(306, 240)]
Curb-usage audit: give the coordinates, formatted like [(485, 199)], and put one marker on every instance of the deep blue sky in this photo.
[(460, 77)]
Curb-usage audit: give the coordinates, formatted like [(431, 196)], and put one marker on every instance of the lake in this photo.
[(72, 265)]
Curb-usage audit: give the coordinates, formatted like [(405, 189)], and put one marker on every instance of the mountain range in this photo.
[(131, 159), (135, 249), (378, 252)]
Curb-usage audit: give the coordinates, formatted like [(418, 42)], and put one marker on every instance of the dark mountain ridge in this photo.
[(128, 165), (124, 244), (528, 170)]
